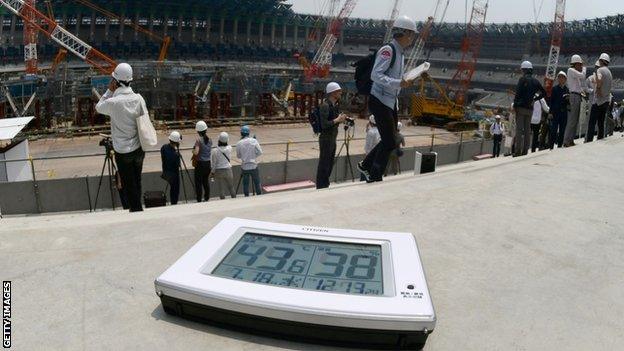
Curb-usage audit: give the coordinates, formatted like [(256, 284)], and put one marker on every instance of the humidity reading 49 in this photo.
[(305, 264)]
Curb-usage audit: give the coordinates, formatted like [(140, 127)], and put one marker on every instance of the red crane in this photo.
[(471, 46), (555, 46), (320, 65), (30, 40), (42, 23)]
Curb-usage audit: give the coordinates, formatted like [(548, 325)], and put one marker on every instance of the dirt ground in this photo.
[(273, 140)]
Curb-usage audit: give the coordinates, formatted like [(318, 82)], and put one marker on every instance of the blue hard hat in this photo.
[(245, 130)]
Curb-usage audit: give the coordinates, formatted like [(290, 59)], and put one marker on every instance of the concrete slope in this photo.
[(521, 254)]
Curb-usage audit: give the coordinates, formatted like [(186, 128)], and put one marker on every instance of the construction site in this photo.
[(453, 248)]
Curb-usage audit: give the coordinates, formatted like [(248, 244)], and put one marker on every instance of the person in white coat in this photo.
[(222, 166), (539, 108), (123, 107), (248, 150)]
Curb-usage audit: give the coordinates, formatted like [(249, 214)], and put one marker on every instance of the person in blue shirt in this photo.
[(171, 165), (559, 102), (387, 77)]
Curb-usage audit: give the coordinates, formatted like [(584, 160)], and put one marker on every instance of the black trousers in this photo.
[(174, 191), (327, 146), (202, 181), (498, 138), (377, 159), (557, 129), (596, 116), (535, 130), (130, 167)]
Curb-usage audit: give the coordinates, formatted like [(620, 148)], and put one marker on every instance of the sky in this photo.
[(499, 11)]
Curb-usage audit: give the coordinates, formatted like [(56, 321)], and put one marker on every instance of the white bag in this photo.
[(147, 132)]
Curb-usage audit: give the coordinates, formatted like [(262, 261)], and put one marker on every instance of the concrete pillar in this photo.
[(150, 22), (12, 31), (107, 29), (208, 28), (165, 25), (307, 33), (193, 29), (235, 31), (221, 29), (1, 30), (341, 39), (248, 32), (180, 23), (92, 27), (261, 33), (296, 36), (272, 33), (136, 22), (78, 24), (122, 26), (284, 31)]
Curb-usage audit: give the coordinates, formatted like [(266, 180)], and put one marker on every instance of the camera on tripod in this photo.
[(349, 122), (106, 141)]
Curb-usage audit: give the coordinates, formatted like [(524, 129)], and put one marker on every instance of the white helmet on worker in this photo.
[(562, 73), (331, 87), (605, 57), (123, 72), (405, 23), (497, 116), (371, 119), (224, 138), (201, 126), (399, 126), (576, 59), (526, 65), (175, 136)]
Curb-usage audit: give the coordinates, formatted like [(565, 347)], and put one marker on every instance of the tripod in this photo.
[(109, 165), (184, 170), (345, 145)]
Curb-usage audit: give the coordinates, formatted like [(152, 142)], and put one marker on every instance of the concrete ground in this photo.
[(92, 166), (520, 254)]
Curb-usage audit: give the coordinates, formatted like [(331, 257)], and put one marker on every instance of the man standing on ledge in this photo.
[(387, 77), (124, 107), (330, 117), (603, 80), (528, 91), (577, 86)]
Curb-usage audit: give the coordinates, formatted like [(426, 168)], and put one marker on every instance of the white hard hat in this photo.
[(224, 137), (562, 73), (331, 87), (399, 126), (123, 72), (526, 65), (372, 119), (175, 136), (605, 57), (498, 117), (576, 59), (201, 126), (405, 22)]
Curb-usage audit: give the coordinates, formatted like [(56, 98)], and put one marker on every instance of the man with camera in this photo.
[(124, 106), (330, 118), (387, 77)]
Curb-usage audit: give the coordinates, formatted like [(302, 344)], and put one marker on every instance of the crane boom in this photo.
[(471, 46), (166, 41), (30, 41), (555, 46), (393, 16), (322, 61), (60, 35), (419, 47)]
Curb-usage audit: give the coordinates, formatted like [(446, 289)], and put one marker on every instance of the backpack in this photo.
[(364, 69), (315, 120)]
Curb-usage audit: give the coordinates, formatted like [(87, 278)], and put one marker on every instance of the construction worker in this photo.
[(603, 81), (222, 166), (331, 117), (387, 77), (170, 158), (201, 154), (124, 107), (497, 129), (528, 90), (248, 150), (577, 87), (539, 109), (559, 102)]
